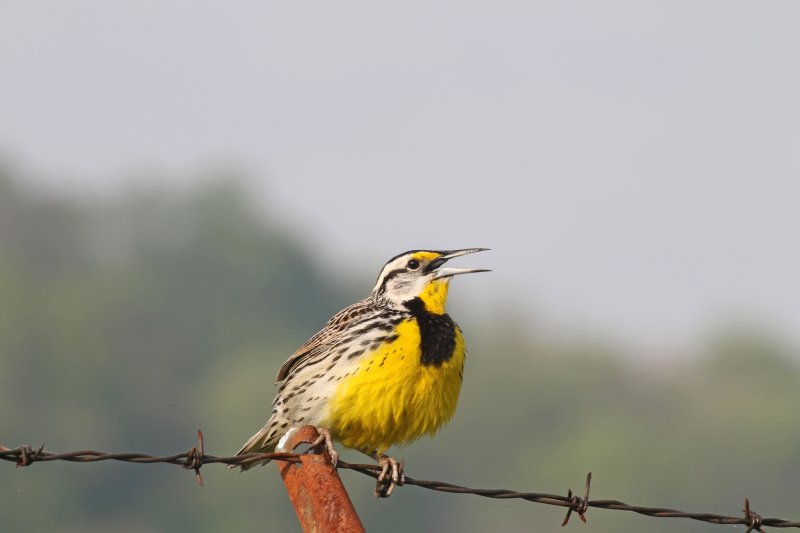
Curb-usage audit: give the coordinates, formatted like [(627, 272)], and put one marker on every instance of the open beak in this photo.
[(449, 272)]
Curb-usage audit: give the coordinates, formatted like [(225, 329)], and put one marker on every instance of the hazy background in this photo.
[(188, 191)]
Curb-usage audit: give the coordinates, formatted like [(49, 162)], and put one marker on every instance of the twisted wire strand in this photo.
[(195, 458)]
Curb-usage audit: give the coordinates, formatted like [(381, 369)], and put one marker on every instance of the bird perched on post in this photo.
[(383, 371)]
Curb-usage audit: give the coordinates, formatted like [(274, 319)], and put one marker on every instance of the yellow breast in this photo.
[(392, 398)]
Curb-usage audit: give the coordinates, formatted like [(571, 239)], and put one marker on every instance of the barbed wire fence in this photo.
[(196, 457)]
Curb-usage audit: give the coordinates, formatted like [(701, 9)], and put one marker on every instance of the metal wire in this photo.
[(196, 457)]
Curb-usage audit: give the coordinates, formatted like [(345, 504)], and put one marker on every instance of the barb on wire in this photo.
[(195, 458), (753, 518), (26, 454), (578, 504)]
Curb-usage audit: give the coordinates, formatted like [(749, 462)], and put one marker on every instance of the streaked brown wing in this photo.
[(325, 339)]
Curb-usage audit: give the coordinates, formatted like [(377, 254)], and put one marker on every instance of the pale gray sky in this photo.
[(633, 165)]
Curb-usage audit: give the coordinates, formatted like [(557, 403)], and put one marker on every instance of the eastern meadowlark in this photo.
[(383, 371)]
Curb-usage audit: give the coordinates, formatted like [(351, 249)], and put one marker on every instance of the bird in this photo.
[(383, 371)]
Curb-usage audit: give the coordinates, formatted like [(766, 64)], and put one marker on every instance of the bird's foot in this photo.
[(326, 439), (391, 475)]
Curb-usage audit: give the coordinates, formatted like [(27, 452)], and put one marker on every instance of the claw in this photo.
[(390, 477), (326, 439)]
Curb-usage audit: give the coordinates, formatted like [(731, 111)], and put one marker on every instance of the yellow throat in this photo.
[(434, 296)]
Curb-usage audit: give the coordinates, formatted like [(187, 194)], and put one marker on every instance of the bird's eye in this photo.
[(413, 264)]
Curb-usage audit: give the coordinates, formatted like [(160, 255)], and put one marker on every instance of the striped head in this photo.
[(419, 274)]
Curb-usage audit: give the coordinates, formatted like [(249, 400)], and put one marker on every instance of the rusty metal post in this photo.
[(317, 493)]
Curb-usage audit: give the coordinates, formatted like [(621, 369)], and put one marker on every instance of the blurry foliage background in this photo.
[(128, 322)]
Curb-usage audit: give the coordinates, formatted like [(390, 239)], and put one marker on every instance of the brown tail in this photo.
[(264, 441)]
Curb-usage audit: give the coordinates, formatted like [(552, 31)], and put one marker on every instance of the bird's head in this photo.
[(419, 274)]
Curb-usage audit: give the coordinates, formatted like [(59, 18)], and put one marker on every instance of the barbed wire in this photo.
[(196, 457)]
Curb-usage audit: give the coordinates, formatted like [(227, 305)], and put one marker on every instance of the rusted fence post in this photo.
[(317, 493)]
